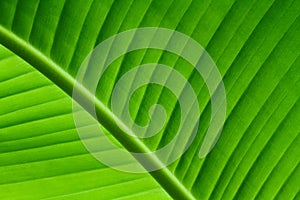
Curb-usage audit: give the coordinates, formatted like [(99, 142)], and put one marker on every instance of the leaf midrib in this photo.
[(105, 117)]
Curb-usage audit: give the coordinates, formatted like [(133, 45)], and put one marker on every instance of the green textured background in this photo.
[(255, 45)]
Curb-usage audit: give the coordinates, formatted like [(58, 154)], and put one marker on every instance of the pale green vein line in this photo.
[(66, 82)]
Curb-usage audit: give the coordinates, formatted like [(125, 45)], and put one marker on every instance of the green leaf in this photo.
[(255, 45), (41, 154)]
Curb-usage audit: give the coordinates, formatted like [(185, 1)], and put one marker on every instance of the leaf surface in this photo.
[(255, 45)]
